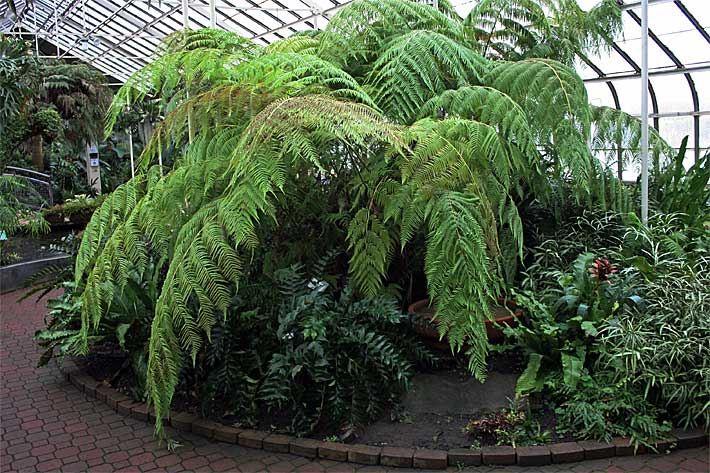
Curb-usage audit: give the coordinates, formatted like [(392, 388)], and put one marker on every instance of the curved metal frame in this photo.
[(131, 29)]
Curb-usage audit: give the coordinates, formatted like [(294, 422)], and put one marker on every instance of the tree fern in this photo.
[(418, 65), (617, 135), (245, 125), (365, 26)]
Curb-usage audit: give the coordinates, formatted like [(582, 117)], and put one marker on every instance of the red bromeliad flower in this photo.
[(601, 269)]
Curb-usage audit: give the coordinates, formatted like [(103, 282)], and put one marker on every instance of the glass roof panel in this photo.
[(630, 42), (702, 85), (673, 93), (611, 62), (705, 133), (679, 44), (125, 33), (666, 18), (600, 95)]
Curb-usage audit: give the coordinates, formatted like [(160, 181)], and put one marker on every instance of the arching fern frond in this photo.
[(616, 131), (461, 274), (363, 28), (294, 44), (292, 74), (490, 106), (550, 92), (418, 65), (205, 266)]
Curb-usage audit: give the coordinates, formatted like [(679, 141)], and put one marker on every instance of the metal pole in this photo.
[(185, 23), (185, 14), (34, 16), (130, 143), (644, 111), (56, 26), (213, 14)]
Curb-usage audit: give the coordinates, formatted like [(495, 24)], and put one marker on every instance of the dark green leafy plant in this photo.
[(601, 407), (339, 359), (15, 215), (565, 319), (685, 191)]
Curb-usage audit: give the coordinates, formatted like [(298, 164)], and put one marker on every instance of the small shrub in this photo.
[(665, 348)]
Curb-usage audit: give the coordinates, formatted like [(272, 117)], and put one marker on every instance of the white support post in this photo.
[(644, 111), (213, 14), (185, 24), (130, 152), (56, 26), (185, 14), (130, 144), (34, 19)]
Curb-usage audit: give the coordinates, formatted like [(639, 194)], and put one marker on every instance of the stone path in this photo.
[(48, 425)]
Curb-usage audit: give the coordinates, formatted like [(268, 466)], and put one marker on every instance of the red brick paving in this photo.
[(46, 424)]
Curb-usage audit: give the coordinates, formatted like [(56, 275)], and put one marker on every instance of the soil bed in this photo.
[(433, 414), (29, 248)]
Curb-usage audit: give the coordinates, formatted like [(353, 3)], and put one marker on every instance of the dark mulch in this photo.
[(29, 248), (396, 427)]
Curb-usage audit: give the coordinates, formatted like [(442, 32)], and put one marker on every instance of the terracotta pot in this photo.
[(422, 315)]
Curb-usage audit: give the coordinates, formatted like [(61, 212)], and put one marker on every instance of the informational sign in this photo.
[(93, 171)]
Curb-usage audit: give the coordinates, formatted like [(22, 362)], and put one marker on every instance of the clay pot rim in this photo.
[(415, 307)]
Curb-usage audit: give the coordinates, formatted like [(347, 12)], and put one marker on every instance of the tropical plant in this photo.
[(603, 406), (15, 216), (445, 147), (566, 317), (338, 359), (664, 349), (19, 75), (686, 191), (41, 102)]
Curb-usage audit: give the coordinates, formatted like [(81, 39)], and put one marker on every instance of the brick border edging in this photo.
[(368, 455)]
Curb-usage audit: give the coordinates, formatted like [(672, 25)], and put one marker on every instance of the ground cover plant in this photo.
[(447, 170)]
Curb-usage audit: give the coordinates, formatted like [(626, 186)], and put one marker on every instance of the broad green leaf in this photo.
[(528, 380)]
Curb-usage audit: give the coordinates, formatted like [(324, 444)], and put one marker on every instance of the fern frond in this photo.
[(490, 106), (371, 247), (418, 65), (550, 92), (616, 131), (460, 273), (365, 26)]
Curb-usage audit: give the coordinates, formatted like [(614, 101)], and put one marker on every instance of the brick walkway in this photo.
[(48, 425)]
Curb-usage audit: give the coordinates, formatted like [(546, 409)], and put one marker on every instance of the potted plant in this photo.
[(505, 312)]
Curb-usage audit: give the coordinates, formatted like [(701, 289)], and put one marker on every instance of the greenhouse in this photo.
[(354, 235)]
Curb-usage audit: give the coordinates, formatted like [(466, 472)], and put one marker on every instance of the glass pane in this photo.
[(699, 9), (705, 131), (674, 129), (611, 63), (702, 85), (664, 18), (630, 42), (584, 71), (629, 91), (673, 93), (599, 94), (688, 46)]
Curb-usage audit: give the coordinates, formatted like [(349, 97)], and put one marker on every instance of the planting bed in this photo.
[(428, 459)]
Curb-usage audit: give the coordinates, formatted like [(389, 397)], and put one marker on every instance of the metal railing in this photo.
[(37, 192)]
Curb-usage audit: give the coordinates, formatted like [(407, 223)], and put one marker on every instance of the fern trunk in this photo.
[(37, 152)]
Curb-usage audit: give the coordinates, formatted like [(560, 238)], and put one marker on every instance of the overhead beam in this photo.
[(661, 72), (304, 19), (629, 6)]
